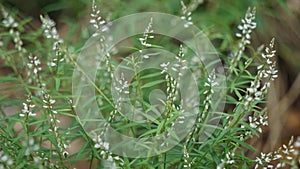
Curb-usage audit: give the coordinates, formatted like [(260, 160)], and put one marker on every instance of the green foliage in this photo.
[(36, 92)]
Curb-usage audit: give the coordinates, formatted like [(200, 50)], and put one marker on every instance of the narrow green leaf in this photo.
[(150, 84)]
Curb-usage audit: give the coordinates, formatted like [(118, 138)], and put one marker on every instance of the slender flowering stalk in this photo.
[(209, 85), (186, 15), (10, 23), (147, 35), (287, 154), (201, 117), (96, 20), (266, 72), (136, 61), (164, 67), (102, 27), (172, 92), (257, 91), (187, 161), (34, 69), (50, 32), (254, 94), (100, 144), (172, 83), (248, 25), (122, 88), (27, 114), (180, 66), (53, 122)]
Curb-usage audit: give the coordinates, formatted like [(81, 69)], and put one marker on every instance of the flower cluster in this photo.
[(102, 26), (209, 85), (34, 67), (171, 88), (50, 32), (123, 89), (147, 35), (171, 83), (296, 152), (266, 71), (284, 153), (27, 109), (287, 150), (248, 25), (228, 160), (5, 160), (257, 122), (104, 152), (17, 40), (246, 28), (30, 146), (164, 67), (186, 158), (180, 66), (265, 159), (257, 91), (186, 15), (48, 106), (96, 20), (10, 23), (123, 85)]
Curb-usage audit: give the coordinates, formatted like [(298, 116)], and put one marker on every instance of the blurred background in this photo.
[(218, 19)]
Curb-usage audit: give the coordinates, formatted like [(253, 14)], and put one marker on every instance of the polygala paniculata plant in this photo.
[(39, 127)]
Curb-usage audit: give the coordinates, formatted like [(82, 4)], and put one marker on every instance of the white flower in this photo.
[(186, 15), (50, 32), (5, 159), (123, 85), (27, 109), (297, 142), (9, 22), (248, 24), (96, 20), (164, 67), (147, 35)]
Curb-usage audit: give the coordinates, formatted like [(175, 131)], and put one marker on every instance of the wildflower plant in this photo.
[(161, 106)]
